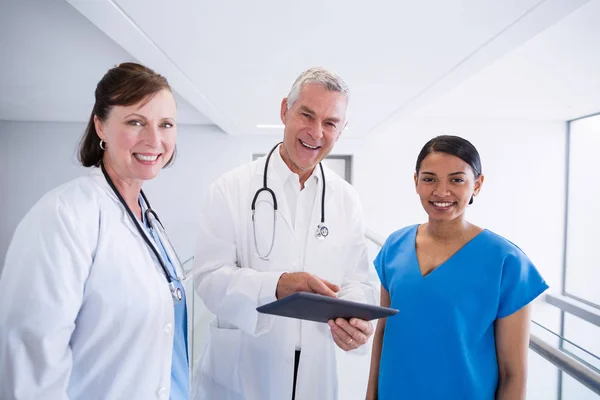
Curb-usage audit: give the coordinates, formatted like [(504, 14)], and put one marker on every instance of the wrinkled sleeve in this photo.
[(520, 284), (229, 290), (41, 292)]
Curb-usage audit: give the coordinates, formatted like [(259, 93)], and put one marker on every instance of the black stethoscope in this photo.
[(322, 231), (155, 226)]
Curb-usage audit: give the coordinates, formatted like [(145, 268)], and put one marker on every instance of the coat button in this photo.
[(168, 328), (163, 393)]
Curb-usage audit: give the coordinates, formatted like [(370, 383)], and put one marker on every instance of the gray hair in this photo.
[(319, 76)]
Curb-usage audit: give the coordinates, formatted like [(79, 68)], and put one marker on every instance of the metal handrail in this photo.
[(574, 307), (581, 373), (578, 371)]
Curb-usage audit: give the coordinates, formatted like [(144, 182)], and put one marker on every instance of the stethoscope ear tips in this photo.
[(322, 232)]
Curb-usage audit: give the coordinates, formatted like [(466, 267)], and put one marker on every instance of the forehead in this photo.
[(326, 103), (444, 163), (159, 105)]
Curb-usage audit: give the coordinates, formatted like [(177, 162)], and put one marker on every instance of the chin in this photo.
[(148, 175)]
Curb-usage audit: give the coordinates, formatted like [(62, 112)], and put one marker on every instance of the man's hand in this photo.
[(292, 282), (350, 335)]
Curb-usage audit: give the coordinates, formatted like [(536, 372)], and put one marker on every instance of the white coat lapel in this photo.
[(125, 218), (276, 185)]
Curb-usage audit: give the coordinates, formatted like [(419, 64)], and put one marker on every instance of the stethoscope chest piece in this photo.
[(322, 232), (176, 293)]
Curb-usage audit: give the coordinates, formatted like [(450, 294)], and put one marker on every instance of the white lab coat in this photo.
[(248, 355), (85, 309)]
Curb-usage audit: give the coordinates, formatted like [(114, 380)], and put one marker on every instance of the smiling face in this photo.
[(312, 126), (140, 138), (445, 184)]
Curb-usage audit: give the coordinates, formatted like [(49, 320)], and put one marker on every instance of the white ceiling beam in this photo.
[(117, 25)]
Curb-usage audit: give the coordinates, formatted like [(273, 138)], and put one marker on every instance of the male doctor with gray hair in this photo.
[(248, 255)]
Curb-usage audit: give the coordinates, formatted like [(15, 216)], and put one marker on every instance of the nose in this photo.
[(152, 135), (441, 189), (316, 130)]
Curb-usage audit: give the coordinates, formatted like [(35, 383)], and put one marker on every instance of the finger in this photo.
[(339, 341), (331, 286), (355, 333), (341, 332), (364, 326), (317, 286)]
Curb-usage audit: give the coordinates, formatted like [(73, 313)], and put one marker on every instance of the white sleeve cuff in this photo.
[(268, 289), (267, 294)]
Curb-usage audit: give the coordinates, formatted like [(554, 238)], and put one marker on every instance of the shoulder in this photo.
[(402, 234), (401, 238), (238, 176), (76, 197), (73, 207), (346, 193), (502, 247)]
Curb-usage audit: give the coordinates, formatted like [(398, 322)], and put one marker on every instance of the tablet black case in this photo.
[(315, 307)]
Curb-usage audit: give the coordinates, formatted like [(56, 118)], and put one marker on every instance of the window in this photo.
[(582, 261)]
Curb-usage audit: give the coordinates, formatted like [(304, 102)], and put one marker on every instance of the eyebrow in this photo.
[(142, 117), (306, 109), (134, 115), (311, 112), (451, 174)]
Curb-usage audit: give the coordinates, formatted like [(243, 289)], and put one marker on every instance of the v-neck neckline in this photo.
[(456, 253)]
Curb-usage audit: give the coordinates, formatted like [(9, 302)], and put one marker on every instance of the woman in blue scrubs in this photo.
[(463, 293)]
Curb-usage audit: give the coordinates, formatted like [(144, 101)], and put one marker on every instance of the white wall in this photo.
[(36, 157), (522, 197)]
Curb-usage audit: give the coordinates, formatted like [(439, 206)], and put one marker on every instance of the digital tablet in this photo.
[(319, 308)]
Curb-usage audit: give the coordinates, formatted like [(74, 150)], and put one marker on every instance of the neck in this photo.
[(128, 189), (302, 175), (447, 231)]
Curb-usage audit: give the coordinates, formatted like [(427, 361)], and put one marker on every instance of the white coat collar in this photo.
[(285, 173), (279, 168), (97, 175)]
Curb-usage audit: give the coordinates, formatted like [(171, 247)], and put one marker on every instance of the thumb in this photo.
[(318, 286), (330, 285)]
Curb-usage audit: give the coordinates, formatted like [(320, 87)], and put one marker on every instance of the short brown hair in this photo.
[(124, 85)]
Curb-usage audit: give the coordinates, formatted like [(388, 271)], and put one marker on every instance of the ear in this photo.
[(99, 128), (478, 185), (284, 110)]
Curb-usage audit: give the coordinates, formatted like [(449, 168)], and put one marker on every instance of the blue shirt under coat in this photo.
[(180, 379)]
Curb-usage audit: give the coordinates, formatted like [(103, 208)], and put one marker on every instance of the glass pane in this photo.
[(542, 378), (584, 335), (583, 228), (573, 390)]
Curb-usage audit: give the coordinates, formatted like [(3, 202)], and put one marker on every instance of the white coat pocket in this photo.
[(222, 358)]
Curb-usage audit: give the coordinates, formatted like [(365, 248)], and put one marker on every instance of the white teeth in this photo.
[(438, 204), (145, 158), (310, 147)]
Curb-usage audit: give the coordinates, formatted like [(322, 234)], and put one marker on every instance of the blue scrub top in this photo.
[(441, 344), (180, 385)]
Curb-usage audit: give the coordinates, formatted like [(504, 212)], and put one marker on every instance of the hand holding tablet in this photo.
[(319, 308)]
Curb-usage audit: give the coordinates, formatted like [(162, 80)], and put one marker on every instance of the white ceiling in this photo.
[(52, 59), (554, 76), (232, 62)]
